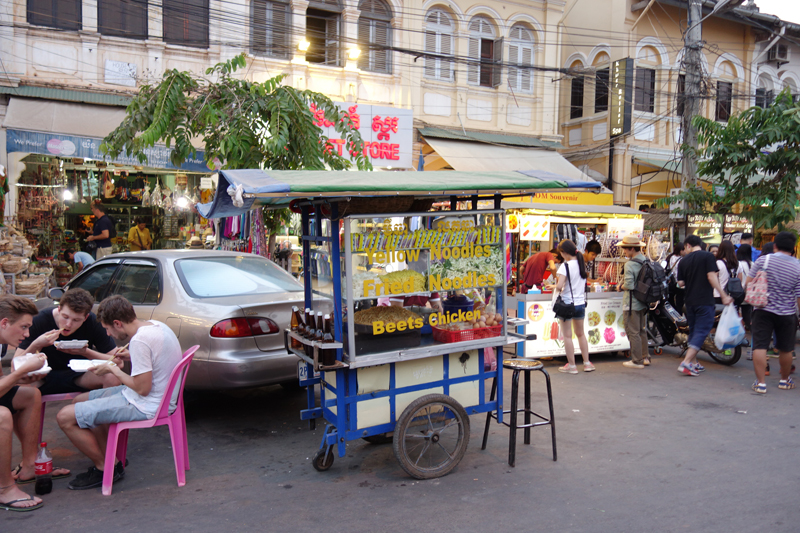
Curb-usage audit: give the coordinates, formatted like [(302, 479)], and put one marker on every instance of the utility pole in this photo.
[(694, 77)]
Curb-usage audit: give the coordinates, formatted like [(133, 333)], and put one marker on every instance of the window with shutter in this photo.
[(186, 22), (439, 41), (482, 53), (497, 62), (323, 32), (61, 14), (269, 28), (576, 98), (122, 18), (374, 36), (601, 80), (520, 59), (644, 97), (724, 101)]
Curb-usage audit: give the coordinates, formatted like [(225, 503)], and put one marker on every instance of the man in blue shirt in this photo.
[(81, 259), (747, 238), (102, 231)]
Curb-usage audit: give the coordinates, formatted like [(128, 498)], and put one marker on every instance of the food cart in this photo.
[(603, 325), (412, 371)]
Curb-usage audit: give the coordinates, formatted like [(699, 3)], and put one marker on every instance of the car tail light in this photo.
[(243, 327)]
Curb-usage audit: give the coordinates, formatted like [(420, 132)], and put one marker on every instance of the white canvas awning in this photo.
[(49, 116), (477, 157)]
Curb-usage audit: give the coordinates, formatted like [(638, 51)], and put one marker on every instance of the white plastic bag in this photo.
[(730, 330)]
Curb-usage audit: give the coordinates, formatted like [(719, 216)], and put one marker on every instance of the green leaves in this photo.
[(243, 124), (756, 158)]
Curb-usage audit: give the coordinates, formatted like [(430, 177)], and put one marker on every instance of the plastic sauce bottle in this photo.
[(44, 471)]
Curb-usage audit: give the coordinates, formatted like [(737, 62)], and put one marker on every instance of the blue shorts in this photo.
[(106, 406), (701, 321), (580, 313)]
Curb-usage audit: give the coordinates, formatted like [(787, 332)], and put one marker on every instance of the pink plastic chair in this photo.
[(118, 433), (54, 398)]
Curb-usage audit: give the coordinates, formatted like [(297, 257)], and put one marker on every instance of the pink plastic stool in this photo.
[(54, 398), (117, 445)]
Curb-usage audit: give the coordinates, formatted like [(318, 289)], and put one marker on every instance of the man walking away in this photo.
[(154, 353), (698, 274), (634, 311), (780, 314)]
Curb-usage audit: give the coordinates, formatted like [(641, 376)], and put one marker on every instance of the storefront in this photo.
[(540, 226)]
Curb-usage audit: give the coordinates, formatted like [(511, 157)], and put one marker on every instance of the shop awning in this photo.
[(477, 156), (659, 164), (76, 130), (276, 188), (574, 210)]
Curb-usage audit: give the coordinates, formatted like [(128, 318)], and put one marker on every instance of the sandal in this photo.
[(760, 388), (567, 369), (17, 469), (9, 506), (786, 384)]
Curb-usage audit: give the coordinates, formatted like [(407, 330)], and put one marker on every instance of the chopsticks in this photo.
[(117, 351)]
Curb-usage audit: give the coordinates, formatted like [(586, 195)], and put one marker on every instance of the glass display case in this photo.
[(421, 284)]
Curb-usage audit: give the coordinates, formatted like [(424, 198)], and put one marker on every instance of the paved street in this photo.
[(638, 450)]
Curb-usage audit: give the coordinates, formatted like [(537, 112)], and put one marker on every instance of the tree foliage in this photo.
[(753, 161), (243, 124)]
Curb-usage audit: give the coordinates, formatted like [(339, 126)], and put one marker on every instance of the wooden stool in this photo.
[(526, 366)]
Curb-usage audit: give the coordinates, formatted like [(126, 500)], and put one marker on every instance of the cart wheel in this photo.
[(383, 438), (323, 459), (432, 436), (657, 350)]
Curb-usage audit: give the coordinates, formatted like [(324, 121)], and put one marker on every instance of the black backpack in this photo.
[(112, 233), (651, 283), (734, 288)]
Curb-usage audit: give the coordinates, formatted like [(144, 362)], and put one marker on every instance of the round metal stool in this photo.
[(526, 366)]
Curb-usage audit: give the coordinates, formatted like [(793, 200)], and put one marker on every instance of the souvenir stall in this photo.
[(410, 369), (547, 225)]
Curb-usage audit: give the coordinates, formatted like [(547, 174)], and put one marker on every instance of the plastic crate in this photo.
[(446, 336)]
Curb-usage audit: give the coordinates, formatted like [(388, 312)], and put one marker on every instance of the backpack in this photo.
[(734, 288), (112, 233), (758, 289), (651, 283)]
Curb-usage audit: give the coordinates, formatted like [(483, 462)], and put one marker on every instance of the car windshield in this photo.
[(210, 277)]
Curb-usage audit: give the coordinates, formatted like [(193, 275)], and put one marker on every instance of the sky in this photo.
[(788, 10)]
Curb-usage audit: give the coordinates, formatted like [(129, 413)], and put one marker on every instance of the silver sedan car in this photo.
[(234, 305)]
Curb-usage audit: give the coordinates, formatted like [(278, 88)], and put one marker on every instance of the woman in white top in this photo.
[(744, 254), (727, 265), (574, 293)]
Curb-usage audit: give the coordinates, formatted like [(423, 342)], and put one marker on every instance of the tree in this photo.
[(753, 161), (243, 124)]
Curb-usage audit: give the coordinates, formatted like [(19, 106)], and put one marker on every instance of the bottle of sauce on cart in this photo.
[(297, 326), (328, 354)]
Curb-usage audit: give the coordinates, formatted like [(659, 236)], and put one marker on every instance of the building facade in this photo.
[(456, 66), (643, 163)]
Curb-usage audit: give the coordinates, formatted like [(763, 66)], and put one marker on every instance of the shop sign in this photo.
[(120, 73), (603, 328), (707, 227), (618, 228), (734, 226), (621, 95), (534, 228), (206, 183), (386, 131), (89, 148)]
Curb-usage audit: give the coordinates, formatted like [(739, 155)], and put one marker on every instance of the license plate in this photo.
[(302, 371)]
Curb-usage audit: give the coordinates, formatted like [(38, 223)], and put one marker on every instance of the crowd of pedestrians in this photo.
[(698, 278)]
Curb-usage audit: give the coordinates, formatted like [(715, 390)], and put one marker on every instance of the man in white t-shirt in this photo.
[(154, 352)]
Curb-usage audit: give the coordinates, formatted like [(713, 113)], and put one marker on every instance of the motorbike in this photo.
[(667, 327)]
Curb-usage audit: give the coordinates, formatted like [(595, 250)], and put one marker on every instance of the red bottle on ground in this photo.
[(44, 471)]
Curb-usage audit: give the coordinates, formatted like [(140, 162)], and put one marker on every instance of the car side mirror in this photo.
[(55, 293)]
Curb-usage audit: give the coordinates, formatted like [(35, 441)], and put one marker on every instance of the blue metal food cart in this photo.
[(409, 368)]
